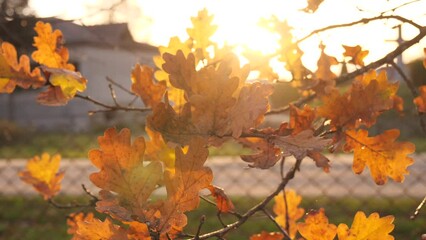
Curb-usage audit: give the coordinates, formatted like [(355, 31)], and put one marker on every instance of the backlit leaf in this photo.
[(312, 6), (372, 227), (122, 170), (316, 226), (69, 82), (381, 154), (94, 228), (223, 202), (144, 86), (201, 32), (265, 154), (16, 73), (43, 174), (420, 100), (292, 209), (356, 54)]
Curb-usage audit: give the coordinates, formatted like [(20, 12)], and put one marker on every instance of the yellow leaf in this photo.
[(356, 53), (201, 32), (42, 173), (316, 226), (371, 228), (158, 150), (70, 82), (292, 209), (383, 156)]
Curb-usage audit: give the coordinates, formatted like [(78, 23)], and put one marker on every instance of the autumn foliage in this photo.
[(200, 96)]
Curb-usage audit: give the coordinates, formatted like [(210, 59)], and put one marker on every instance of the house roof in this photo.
[(20, 32)]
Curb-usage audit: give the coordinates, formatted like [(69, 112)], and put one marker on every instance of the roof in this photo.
[(20, 32)]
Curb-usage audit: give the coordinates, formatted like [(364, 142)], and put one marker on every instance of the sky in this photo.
[(155, 21)]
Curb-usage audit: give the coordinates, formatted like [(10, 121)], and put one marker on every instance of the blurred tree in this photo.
[(10, 9)]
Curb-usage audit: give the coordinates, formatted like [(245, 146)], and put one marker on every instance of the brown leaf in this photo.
[(381, 154), (122, 170), (324, 76), (144, 86), (266, 154), (320, 160), (53, 96), (43, 174), (301, 119), (96, 229), (223, 203), (356, 54), (312, 6), (300, 144)]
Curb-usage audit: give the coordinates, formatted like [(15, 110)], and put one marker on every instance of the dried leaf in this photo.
[(158, 150), (312, 6), (356, 54), (43, 174), (420, 100), (68, 81), (267, 236), (201, 32), (16, 73), (184, 185), (372, 228), (96, 229), (316, 226), (381, 154), (300, 144), (260, 62), (53, 96), (144, 86), (323, 75), (292, 209), (301, 119), (74, 218), (266, 154), (122, 170), (223, 203)]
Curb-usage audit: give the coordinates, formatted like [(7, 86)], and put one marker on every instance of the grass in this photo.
[(32, 218)]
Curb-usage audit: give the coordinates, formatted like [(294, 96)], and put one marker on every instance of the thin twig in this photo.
[(218, 214), (290, 175), (268, 214), (88, 192), (412, 217), (287, 217), (202, 220), (113, 96), (236, 214), (119, 86), (69, 205), (109, 108)]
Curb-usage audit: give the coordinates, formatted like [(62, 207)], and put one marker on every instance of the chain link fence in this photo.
[(340, 190)]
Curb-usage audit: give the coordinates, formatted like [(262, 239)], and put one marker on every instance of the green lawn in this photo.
[(32, 218)]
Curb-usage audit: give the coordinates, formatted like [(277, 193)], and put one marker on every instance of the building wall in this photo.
[(95, 64)]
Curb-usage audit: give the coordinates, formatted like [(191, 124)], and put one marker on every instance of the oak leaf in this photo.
[(324, 77), (260, 62), (201, 32), (223, 202), (183, 186), (16, 73), (300, 144), (312, 6), (122, 170), (74, 218), (316, 226), (144, 86), (265, 155), (372, 227), (53, 96), (96, 229), (158, 150), (420, 101), (267, 236), (381, 154), (43, 174), (356, 54), (281, 209), (69, 82), (301, 119)]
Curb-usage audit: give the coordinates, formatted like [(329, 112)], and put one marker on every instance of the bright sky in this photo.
[(156, 21)]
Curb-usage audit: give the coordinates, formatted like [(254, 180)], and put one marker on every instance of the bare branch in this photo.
[(109, 108)]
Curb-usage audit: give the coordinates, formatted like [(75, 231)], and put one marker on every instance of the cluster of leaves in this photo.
[(200, 97)]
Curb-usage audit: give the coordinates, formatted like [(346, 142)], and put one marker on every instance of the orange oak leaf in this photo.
[(420, 100), (267, 236), (324, 77), (53, 57), (260, 62), (312, 6), (17, 73), (181, 70), (362, 104), (50, 50), (183, 186), (266, 154), (43, 174), (372, 227), (144, 86), (356, 54), (122, 169), (96, 229), (223, 202), (301, 119), (158, 150), (249, 110), (316, 226), (138, 230), (381, 154), (300, 144), (74, 218), (281, 209)]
